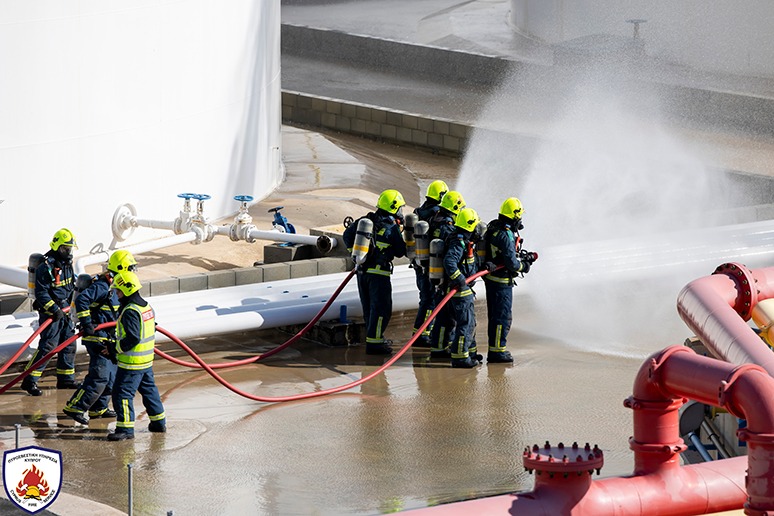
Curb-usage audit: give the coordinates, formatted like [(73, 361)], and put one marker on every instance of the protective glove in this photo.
[(519, 225), (524, 267), (57, 314), (490, 266), (110, 350), (88, 329), (458, 282)]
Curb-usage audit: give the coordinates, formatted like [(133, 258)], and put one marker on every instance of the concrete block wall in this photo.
[(403, 128), (248, 275)]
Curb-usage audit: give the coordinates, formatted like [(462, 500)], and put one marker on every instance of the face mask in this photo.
[(66, 252)]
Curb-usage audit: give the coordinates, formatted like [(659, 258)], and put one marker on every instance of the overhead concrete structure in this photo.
[(107, 102)]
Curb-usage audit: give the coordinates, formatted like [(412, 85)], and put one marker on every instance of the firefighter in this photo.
[(133, 353), (427, 211), (373, 274), (95, 305), (501, 250), (54, 286), (459, 263), (441, 226)]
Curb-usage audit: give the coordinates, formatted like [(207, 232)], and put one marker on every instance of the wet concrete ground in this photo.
[(420, 434)]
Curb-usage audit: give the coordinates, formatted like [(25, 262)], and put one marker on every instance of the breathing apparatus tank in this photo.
[(436, 261), (33, 263), (421, 238), (362, 243), (82, 282), (408, 235)]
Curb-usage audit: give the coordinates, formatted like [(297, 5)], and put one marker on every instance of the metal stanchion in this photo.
[(130, 488), (17, 426)]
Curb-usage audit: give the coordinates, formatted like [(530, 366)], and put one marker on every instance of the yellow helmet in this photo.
[(467, 219), (127, 282), (121, 260), (453, 201), (63, 237), (512, 208), (436, 190), (390, 201)]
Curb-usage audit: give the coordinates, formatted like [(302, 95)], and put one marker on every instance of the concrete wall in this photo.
[(731, 36), (434, 134), (113, 102)]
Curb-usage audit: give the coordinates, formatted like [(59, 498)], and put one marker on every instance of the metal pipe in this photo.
[(662, 486), (717, 307), (700, 448), (322, 242), (713, 436), (130, 489), (14, 276)]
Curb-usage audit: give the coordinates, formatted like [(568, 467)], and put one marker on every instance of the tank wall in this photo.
[(109, 102), (727, 36)]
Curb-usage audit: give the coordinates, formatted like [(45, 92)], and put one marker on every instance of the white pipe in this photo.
[(153, 224), (251, 233), (14, 276)]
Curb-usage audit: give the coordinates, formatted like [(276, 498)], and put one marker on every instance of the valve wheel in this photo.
[(121, 226), (201, 196), (348, 221), (243, 198), (186, 195)]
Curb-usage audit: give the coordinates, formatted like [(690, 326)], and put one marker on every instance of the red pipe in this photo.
[(660, 485), (717, 307)]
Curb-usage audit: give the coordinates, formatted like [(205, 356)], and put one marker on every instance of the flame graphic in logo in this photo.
[(33, 485)]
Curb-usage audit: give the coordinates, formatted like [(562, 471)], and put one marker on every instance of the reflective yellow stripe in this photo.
[(464, 293), (380, 272), (141, 355), (360, 248), (497, 279)]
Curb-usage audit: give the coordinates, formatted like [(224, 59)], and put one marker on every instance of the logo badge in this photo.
[(32, 477)]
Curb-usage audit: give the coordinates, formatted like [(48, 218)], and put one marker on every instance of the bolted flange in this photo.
[(563, 460)]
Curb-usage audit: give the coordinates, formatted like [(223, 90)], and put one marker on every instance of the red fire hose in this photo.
[(247, 395), (27, 343)]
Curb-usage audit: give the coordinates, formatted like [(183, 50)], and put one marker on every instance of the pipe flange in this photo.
[(747, 294), (562, 459), (121, 224)]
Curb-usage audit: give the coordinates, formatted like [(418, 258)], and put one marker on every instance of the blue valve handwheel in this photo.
[(243, 198)]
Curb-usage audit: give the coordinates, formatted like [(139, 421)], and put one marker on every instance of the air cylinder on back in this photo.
[(421, 238), (33, 263), (82, 282), (362, 240), (408, 235), (436, 261)]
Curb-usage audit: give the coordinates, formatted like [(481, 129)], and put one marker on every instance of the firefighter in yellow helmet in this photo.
[(133, 353), (373, 274), (459, 263), (501, 242), (97, 304), (441, 227), (54, 286), (427, 211)]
